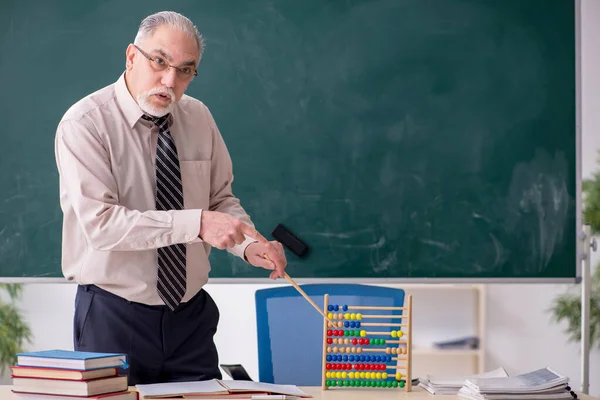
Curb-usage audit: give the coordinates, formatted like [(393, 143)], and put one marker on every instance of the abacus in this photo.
[(352, 358)]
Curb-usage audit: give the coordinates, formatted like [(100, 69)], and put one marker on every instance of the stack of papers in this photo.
[(436, 384), (539, 384), (215, 388)]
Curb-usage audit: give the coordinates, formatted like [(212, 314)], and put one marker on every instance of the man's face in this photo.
[(155, 89)]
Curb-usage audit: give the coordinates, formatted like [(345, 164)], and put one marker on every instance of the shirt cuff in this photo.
[(186, 226), (240, 249)]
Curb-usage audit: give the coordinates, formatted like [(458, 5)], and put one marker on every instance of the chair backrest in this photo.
[(290, 330)]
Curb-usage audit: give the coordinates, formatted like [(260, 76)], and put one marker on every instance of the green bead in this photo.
[(401, 384), (389, 384), (357, 333), (363, 383), (346, 383), (338, 383), (353, 383), (395, 384)]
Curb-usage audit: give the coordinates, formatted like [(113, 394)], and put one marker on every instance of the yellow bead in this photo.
[(344, 375), (327, 375), (384, 375), (368, 375), (351, 375), (363, 375), (399, 333), (363, 333), (359, 316), (330, 315), (378, 375), (394, 334), (398, 376), (338, 375), (347, 316)]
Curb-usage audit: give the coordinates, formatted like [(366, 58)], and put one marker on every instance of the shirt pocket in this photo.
[(195, 176)]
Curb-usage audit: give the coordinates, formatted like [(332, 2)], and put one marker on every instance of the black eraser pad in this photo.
[(289, 240)]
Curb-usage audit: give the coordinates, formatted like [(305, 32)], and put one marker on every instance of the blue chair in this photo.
[(290, 330)]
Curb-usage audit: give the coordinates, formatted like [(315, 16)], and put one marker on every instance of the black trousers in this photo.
[(162, 345)]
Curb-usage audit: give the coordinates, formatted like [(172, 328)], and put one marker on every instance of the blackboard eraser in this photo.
[(289, 240)]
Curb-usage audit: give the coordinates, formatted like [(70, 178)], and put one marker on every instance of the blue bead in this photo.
[(328, 358), (362, 358), (378, 358), (351, 358), (345, 358), (358, 324), (330, 308), (389, 358), (339, 358), (336, 308), (372, 358), (346, 324), (345, 307), (352, 324)]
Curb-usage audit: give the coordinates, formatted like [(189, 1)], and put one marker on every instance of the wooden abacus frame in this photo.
[(406, 332)]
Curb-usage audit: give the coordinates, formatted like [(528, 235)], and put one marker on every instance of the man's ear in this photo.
[(129, 56)]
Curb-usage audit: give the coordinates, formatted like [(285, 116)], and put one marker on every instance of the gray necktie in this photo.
[(171, 280)]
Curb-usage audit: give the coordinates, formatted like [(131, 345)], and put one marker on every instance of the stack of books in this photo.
[(543, 384), (70, 375)]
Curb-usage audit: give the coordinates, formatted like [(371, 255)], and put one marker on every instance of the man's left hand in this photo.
[(269, 255)]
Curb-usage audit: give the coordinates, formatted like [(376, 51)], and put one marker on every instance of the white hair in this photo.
[(149, 25)]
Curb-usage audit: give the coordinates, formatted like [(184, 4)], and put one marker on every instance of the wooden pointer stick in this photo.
[(295, 285)]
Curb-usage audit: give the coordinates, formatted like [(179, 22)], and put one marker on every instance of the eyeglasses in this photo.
[(159, 64)]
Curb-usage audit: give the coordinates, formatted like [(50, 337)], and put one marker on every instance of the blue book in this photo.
[(70, 359)]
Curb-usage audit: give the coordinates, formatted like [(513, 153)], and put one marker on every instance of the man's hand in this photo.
[(269, 256), (223, 231)]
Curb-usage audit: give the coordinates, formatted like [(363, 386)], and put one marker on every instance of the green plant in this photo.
[(567, 306), (14, 331)]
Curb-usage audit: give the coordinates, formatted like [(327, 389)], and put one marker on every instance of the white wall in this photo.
[(520, 334)]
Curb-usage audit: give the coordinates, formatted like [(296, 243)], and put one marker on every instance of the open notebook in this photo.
[(215, 387)]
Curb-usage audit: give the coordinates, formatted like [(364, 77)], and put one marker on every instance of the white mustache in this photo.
[(165, 91)]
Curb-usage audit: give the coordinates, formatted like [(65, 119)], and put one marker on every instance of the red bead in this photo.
[(329, 340), (361, 367), (383, 367), (348, 366), (369, 367), (354, 341), (329, 332), (356, 367), (328, 366), (341, 332), (335, 333)]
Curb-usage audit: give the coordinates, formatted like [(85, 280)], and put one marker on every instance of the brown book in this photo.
[(70, 387), (70, 374), (108, 396)]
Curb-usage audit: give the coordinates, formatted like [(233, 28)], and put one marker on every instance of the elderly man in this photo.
[(145, 189)]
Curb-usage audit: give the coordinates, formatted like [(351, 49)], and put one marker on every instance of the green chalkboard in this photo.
[(397, 138)]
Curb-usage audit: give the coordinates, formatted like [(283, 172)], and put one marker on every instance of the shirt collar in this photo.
[(128, 105)]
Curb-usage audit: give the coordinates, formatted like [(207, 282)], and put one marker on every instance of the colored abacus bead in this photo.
[(359, 316), (393, 333), (352, 316), (345, 307), (399, 333), (329, 340), (398, 376), (401, 384), (363, 333), (336, 307), (354, 341)]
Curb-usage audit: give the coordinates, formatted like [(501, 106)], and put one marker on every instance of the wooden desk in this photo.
[(349, 394)]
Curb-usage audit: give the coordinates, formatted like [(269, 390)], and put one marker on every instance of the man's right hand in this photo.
[(223, 231)]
